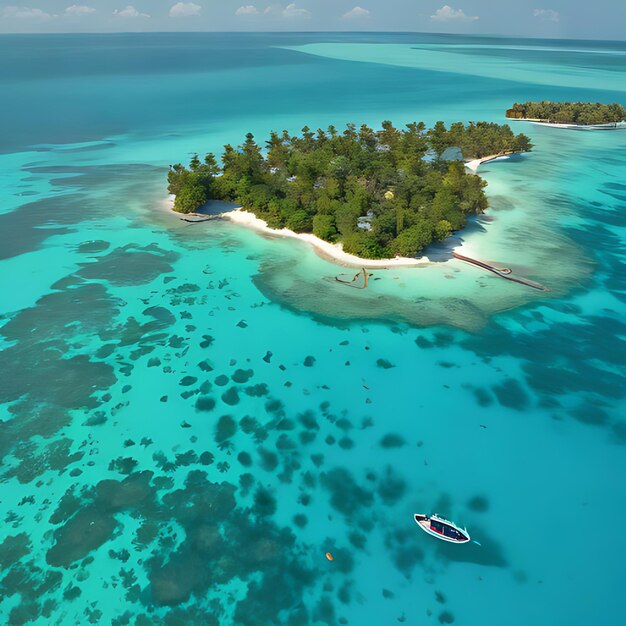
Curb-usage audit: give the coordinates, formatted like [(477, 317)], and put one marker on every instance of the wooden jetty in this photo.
[(363, 272), (503, 272), (199, 218)]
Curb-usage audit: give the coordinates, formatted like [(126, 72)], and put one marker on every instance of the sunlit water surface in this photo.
[(193, 415)]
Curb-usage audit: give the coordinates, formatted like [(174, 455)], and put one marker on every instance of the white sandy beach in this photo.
[(475, 163), (330, 251), (539, 122)]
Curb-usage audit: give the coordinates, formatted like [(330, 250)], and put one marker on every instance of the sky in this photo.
[(600, 19)]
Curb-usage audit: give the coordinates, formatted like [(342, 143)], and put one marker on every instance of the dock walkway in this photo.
[(502, 272)]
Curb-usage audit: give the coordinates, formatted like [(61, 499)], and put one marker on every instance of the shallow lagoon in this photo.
[(195, 414)]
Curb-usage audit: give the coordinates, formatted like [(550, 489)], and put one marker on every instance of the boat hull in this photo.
[(426, 524)]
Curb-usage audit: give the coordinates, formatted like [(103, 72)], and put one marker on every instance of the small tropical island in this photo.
[(569, 113), (379, 193)]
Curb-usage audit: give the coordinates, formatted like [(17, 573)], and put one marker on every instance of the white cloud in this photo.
[(129, 11), (447, 14), (294, 12), (25, 13), (548, 15), (185, 9), (290, 12), (249, 9), (79, 9), (358, 13)]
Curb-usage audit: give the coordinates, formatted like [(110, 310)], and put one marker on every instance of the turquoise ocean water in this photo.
[(192, 415)]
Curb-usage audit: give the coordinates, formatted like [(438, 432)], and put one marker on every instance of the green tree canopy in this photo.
[(376, 191), (584, 113)]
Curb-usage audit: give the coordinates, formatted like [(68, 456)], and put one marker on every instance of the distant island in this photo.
[(571, 113), (380, 193)]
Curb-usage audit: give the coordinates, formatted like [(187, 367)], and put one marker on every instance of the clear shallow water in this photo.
[(192, 416)]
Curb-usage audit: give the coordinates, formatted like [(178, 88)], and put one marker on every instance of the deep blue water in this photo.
[(192, 415)]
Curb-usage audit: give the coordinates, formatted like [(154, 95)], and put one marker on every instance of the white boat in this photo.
[(441, 528)]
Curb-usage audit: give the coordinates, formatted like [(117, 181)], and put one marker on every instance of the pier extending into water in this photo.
[(503, 272), (199, 217), (363, 272)]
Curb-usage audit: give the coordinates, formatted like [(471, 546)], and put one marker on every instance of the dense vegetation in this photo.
[(584, 113), (401, 183)]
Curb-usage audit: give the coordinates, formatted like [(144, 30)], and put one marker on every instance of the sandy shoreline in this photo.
[(572, 126), (329, 251), (475, 163)]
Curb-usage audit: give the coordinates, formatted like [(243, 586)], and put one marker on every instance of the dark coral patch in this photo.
[(269, 459), (12, 549), (206, 458), (257, 391), (184, 289), (86, 531), (174, 582), (225, 429), (392, 440), (92, 247), (245, 459), (511, 394), (346, 496), (300, 520), (405, 550), (205, 366), (132, 492), (590, 413), (164, 317), (205, 403), (207, 340), (307, 436), (423, 343), (221, 380), (391, 487), (242, 376), (285, 443), (130, 265), (185, 459), (123, 465), (264, 502), (308, 420), (231, 397), (480, 504), (384, 364), (33, 461), (357, 539), (275, 406), (483, 397), (345, 443)]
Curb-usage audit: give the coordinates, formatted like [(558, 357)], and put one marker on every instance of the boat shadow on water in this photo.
[(488, 552)]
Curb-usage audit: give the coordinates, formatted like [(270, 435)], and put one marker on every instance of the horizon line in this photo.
[(306, 32)]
